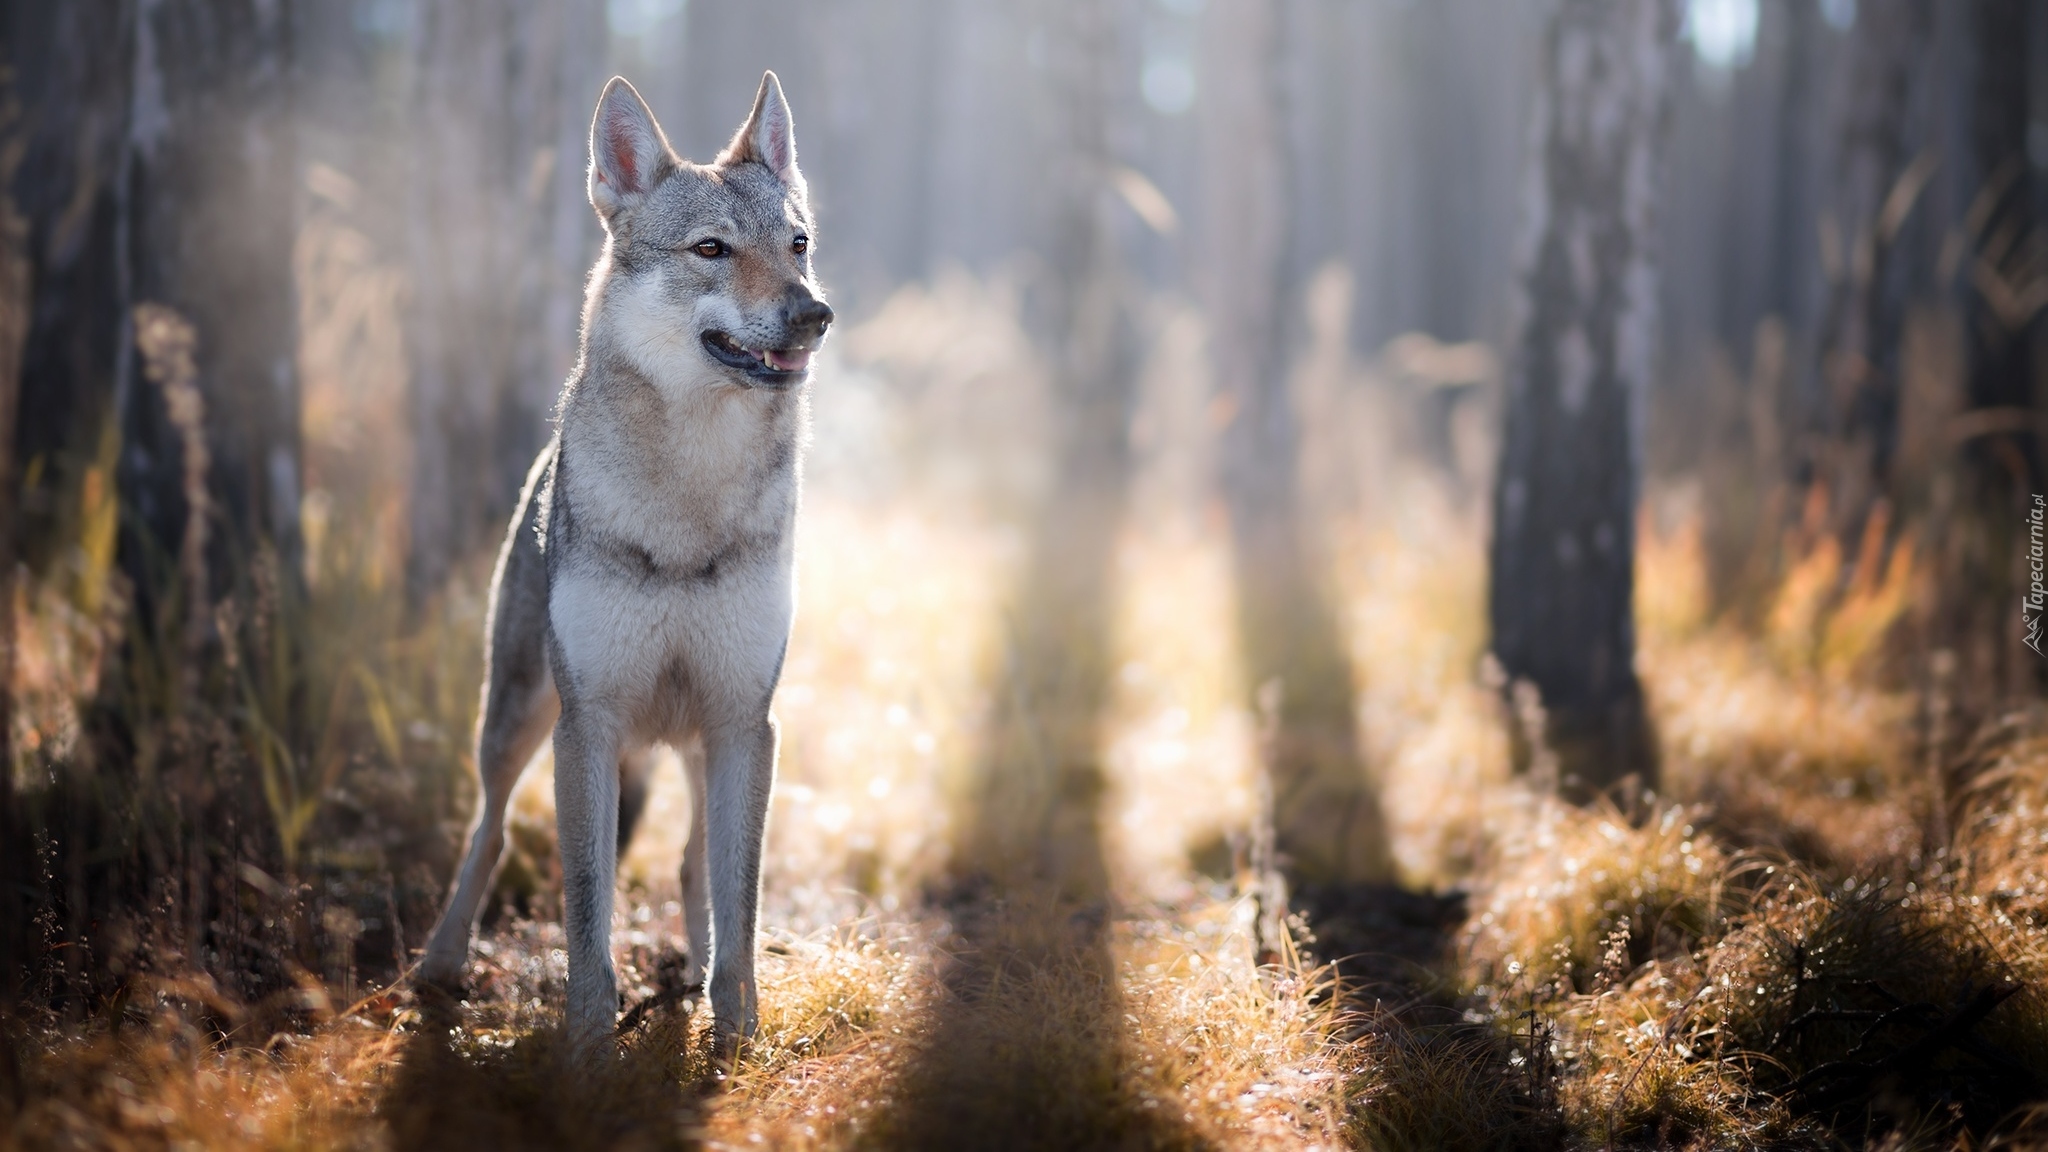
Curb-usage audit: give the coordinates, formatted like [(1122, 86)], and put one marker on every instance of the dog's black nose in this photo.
[(809, 315)]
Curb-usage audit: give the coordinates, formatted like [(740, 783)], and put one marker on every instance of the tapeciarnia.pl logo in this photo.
[(2036, 600)]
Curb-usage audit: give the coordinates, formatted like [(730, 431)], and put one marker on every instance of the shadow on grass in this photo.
[(1440, 1080), (475, 1088), (1389, 946), (1029, 1047)]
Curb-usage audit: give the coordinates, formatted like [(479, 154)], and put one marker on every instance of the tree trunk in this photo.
[(16, 306), (157, 192), (209, 402), (501, 236), (1327, 821), (63, 124), (72, 67), (1584, 347), (2005, 284), (1875, 185), (14, 312)]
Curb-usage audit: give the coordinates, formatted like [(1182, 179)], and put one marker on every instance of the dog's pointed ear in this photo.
[(628, 154), (768, 137)]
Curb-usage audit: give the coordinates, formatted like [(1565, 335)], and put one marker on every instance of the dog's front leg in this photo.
[(587, 818), (739, 771)]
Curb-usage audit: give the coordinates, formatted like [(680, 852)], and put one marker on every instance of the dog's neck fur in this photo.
[(660, 449)]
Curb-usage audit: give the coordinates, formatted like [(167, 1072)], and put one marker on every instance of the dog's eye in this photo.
[(800, 245), (709, 249)]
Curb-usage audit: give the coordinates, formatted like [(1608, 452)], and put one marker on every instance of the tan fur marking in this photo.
[(756, 279)]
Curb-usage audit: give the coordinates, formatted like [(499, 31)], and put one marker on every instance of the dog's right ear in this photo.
[(628, 154)]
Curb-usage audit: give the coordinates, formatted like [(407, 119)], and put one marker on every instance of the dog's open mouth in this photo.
[(767, 365)]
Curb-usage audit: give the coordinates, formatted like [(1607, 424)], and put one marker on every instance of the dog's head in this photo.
[(710, 264)]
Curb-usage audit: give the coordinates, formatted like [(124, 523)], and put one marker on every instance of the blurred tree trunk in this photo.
[(209, 399), (16, 305), (63, 307), (1749, 471), (1327, 821), (1790, 280), (72, 67), (1875, 185), (2005, 289), (160, 191), (1563, 552), (500, 235)]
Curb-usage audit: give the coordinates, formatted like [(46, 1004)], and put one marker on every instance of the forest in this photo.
[(1378, 574)]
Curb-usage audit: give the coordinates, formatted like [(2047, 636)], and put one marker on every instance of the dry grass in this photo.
[(839, 1013), (1578, 897), (166, 1083), (1159, 1029), (1786, 957)]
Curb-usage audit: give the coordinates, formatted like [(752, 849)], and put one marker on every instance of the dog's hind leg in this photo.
[(519, 706), (696, 881), (505, 749), (636, 771)]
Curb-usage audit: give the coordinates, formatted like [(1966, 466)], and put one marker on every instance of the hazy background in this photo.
[(1298, 457)]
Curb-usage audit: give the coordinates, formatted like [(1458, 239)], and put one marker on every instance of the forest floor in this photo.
[(1768, 953), (1825, 929)]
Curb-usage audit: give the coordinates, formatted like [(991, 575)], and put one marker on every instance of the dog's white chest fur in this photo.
[(680, 581)]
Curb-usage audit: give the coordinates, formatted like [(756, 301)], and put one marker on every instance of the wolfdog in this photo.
[(644, 593)]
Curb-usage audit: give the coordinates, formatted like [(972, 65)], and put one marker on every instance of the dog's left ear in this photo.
[(767, 137)]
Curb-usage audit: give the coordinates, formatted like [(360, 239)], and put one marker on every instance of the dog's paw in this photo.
[(442, 974), (724, 1047), (678, 975), (440, 1006), (673, 987)]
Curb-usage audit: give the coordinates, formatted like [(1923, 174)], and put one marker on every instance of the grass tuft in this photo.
[(1579, 898)]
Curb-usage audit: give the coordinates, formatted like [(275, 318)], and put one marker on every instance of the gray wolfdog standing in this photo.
[(644, 591)]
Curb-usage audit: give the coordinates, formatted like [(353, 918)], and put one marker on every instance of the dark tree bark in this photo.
[(1563, 550), (72, 67), (1767, 262), (212, 207), (501, 236), (16, 303), (1788, 286), (156, 184), (1327, 821), (2004, 277), (63, 306), (2005, 289), (1875, 183)]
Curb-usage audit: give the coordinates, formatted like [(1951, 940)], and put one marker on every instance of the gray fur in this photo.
[(644, 593)]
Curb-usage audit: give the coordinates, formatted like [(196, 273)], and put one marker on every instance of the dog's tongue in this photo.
[(795, 360)]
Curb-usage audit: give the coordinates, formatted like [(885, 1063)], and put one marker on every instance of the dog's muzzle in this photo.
[(805, 319)]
